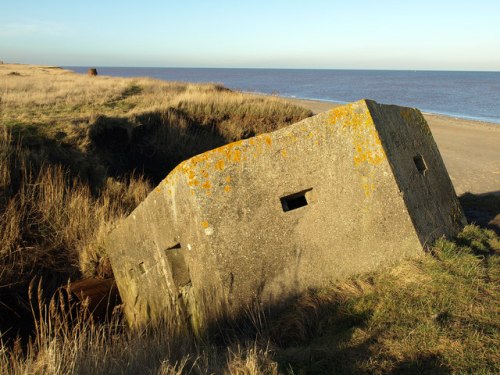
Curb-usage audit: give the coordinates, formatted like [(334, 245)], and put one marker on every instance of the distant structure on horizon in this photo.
[(340, 193)]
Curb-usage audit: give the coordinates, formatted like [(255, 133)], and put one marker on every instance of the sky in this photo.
[(318, 34)]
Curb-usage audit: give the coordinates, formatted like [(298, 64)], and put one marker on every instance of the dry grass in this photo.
[(442, 320), (99, 126), (65, 343), (69, 146), (436, 315), (39, 95), (63, 135), (52, 222)]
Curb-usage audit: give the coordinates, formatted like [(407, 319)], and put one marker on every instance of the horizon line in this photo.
[(274, 68)]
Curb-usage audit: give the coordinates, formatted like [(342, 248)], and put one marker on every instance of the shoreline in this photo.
[(319, 105)]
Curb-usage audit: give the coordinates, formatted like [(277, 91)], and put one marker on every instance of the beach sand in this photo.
[(470, 149)]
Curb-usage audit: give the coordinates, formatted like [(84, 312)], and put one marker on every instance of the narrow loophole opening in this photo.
[(142, 267), (293, 201), (420, 164), (175, 247)]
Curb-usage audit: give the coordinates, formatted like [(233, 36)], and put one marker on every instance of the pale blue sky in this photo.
[(362, 34)]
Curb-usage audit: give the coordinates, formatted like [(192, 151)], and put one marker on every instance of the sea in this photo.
[(468, 95)]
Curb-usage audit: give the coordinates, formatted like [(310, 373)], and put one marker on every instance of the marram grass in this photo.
[(66, 177)]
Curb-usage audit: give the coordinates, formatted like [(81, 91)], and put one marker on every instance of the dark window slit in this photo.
[(175, 247), (420, 164), (294, 201)]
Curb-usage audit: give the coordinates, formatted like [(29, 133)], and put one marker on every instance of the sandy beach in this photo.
[(470, 149)]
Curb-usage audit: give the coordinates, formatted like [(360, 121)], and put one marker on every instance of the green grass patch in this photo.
[(438, 314)]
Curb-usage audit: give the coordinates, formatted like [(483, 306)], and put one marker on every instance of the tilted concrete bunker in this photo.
[(340, 193)]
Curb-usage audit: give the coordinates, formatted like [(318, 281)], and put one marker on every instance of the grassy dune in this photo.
[(78, 153)]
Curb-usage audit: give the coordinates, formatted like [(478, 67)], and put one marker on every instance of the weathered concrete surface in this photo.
[(370, 187)]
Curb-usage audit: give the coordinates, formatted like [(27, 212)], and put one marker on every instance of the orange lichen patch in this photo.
[(368, 188), (219, 165), (310, 135), (228, 179), (196, 170), (236, 156), (232, 152), (227, 188), (283, 153), (202, 158), (367, 145), (204, 224)]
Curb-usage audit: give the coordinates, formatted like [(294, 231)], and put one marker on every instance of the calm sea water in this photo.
[(471, 95)]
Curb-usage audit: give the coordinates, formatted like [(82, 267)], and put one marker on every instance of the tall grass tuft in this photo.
[(53, 222), (68, 341)]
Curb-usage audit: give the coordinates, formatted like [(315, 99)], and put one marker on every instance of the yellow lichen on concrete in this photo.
[(237, 156), (219, 165), (204, 224), (366, 142), (197, 169), (368, 188), (193, 182)]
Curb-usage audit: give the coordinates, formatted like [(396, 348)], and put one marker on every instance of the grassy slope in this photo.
[(68, 151), (70, 146), (99, 125)]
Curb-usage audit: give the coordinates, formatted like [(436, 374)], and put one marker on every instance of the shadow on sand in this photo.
[(482, 209)]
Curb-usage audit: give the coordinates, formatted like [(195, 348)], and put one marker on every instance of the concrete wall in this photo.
[(333, 195)]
